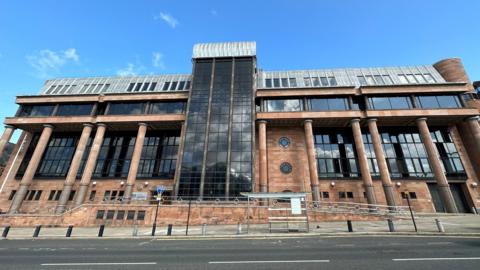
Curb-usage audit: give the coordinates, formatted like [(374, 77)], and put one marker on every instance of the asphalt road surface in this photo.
[(281, 253)]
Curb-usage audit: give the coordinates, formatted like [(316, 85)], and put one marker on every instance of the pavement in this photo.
[(466, 225), (312, 252)]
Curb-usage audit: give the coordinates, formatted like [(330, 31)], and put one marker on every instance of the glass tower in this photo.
[(219, 132)]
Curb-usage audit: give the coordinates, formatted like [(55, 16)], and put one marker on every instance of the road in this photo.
[(387, 252)]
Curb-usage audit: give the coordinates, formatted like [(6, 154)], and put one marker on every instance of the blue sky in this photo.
[(48, 39)]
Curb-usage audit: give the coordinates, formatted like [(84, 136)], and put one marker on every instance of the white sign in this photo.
[(139, 196), (296, 206)]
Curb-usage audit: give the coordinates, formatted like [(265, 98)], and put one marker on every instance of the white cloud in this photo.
[(129, 70), (157, 60), (46, 61), (169, 19), (213, 12), (71, 54)]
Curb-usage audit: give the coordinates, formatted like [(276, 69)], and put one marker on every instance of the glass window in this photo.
[(403, 79), (316, 82), (387, 79), (449, 102), (126, 108), (411, 78), (268, 83), (428, 101), (379, 79), (130, 215), (130, 87), (324, 81), (380, 103), (284, 105), (333, 81), (173, 86), (420, 78), (74, 109), (400, 102), (100, 214), (110, 214), (276, 82), (370, 80), (284, 82), (337, 104), (181, 85), (286, 168), (120, 215), (152, 86), (36, 110), (141, 215), (137, 87), (307, 82), (166, 85), (362, 80), (429, 78), (325, 104), (167, 107), (293, 82)]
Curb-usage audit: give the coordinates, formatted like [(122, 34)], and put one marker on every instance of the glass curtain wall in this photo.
[(220, 118)]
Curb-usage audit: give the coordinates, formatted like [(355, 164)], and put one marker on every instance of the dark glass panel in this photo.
[(36, 110), (126, 108), (166, 107), (74, 109)]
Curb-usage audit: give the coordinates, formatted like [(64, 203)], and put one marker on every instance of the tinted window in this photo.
[(74, 109), (126, 108), (36, 110), (448, 101), (385, 103), (428, 101), (167, 107), (284, 105), (323, 104)]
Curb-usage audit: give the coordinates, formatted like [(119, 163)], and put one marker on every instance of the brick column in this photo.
[(74, 166), (262, 155), (312, 161), (363, 162), (443, 187), (7, 134), (137, 154), (382, 163), (475, 130), (31, 169), (90, 165)]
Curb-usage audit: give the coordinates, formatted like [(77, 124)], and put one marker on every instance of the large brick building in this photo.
[(363, 135)]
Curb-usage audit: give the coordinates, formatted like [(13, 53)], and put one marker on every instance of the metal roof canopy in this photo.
[(273, 195), (224, 49)]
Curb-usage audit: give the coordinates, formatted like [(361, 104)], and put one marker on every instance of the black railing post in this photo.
[(37, 230), (100, 230), (69, 231), (169, 229), (188, 215), (5, 231), (349, 225)]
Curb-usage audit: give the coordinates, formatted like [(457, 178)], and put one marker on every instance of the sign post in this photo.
[(160, 190)]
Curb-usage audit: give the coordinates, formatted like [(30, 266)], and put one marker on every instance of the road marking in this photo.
[(439, 243), (435, 259), (86, 264), (292, 261)]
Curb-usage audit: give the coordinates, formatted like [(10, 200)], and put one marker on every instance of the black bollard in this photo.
[(100, 231), (169, 229), (154, 228), (391, 227), (5, 231), (37, 230), (349, 225), (69, 231)]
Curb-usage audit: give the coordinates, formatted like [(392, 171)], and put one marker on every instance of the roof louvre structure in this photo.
[(339, 77), (224, 49)]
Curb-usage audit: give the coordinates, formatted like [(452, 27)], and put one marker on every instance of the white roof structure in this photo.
[(224, 49)]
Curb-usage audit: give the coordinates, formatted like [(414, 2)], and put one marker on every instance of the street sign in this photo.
[(161, 189), (139, 196)]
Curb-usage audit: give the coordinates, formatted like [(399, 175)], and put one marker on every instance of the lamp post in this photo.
[(407, 194), (160, 190)]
